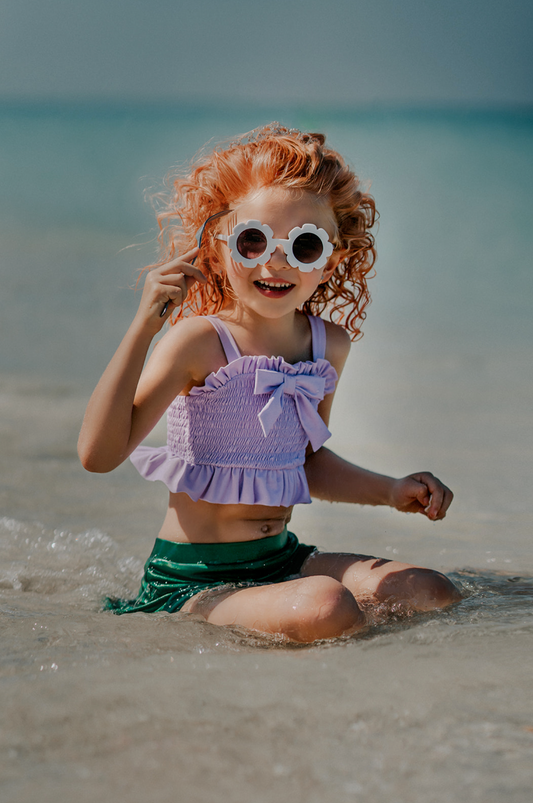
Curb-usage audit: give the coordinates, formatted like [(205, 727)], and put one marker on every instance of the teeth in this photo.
[(275, 285)]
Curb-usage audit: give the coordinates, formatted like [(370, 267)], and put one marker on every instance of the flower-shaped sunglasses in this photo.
[(252, 243)]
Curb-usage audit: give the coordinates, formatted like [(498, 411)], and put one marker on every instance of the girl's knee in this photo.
[(435, 590), (322, 608), (419, 589)]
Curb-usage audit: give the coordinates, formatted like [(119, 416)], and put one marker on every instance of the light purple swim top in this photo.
[(241, 437)]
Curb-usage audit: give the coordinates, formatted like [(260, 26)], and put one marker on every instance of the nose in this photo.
[(278, 259)]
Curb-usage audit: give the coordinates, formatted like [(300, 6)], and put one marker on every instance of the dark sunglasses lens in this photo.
[(307, 248), (251, 243)]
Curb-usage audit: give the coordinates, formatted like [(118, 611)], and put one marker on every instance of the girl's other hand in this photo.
[(168, 283), (421, 493)]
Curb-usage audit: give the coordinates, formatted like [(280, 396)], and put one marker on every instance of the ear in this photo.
[(331, 267)]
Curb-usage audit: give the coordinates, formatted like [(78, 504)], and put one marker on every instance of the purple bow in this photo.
[(305, 389)]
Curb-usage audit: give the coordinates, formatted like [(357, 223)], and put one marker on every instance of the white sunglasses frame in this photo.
[(272, 243)]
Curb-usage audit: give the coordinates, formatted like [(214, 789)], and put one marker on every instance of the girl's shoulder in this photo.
[(193, 342), (193, 333), (192, 327)]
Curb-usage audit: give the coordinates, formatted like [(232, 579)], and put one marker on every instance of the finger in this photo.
[(440, 497), (183, 268), (182, 264), (171, 289), (173, 294), (177, 281), (447, 498), (190, 281), (187, 257), (421, 492), (172, 280)]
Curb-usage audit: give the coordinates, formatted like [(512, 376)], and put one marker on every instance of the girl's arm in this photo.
[(122, 410), (334, 479)]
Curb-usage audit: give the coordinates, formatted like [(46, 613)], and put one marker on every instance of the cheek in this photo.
[(314, 280), (237, 275)]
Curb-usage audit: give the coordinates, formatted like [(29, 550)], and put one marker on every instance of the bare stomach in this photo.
[(203, 522)]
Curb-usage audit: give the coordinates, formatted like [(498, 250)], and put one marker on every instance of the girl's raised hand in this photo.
[(168, 284), (421, 493)]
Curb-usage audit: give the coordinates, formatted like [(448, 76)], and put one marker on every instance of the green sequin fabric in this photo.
[(175, 572)]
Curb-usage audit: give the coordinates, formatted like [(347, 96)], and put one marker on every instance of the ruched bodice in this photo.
[(242, 436)]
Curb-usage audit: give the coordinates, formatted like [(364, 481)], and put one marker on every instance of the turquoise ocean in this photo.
[(165, 707)]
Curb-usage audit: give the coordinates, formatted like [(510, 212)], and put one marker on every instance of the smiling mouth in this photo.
[(278, 288)]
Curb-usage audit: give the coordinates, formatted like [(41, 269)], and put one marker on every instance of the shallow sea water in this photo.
[(161, 707), (153, 707)]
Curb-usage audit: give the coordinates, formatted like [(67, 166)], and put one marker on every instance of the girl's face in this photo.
[(276, 288)]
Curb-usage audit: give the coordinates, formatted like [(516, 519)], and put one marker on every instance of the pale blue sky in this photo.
[(339, 53)]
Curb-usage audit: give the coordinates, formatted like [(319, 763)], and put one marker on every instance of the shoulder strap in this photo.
[(226, 338), (318, 335)]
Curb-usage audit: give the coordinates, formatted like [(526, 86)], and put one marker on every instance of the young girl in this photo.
[(282, 232)]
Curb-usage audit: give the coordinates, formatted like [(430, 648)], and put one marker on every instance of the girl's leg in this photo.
[(305, 609), (379, 581)]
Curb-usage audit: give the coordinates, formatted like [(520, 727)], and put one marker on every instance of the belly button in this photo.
[(265, 529)]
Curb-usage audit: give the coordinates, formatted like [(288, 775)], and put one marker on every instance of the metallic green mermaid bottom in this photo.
[(175, 572)]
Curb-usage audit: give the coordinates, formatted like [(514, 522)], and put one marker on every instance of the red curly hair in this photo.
[(271, 156)]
